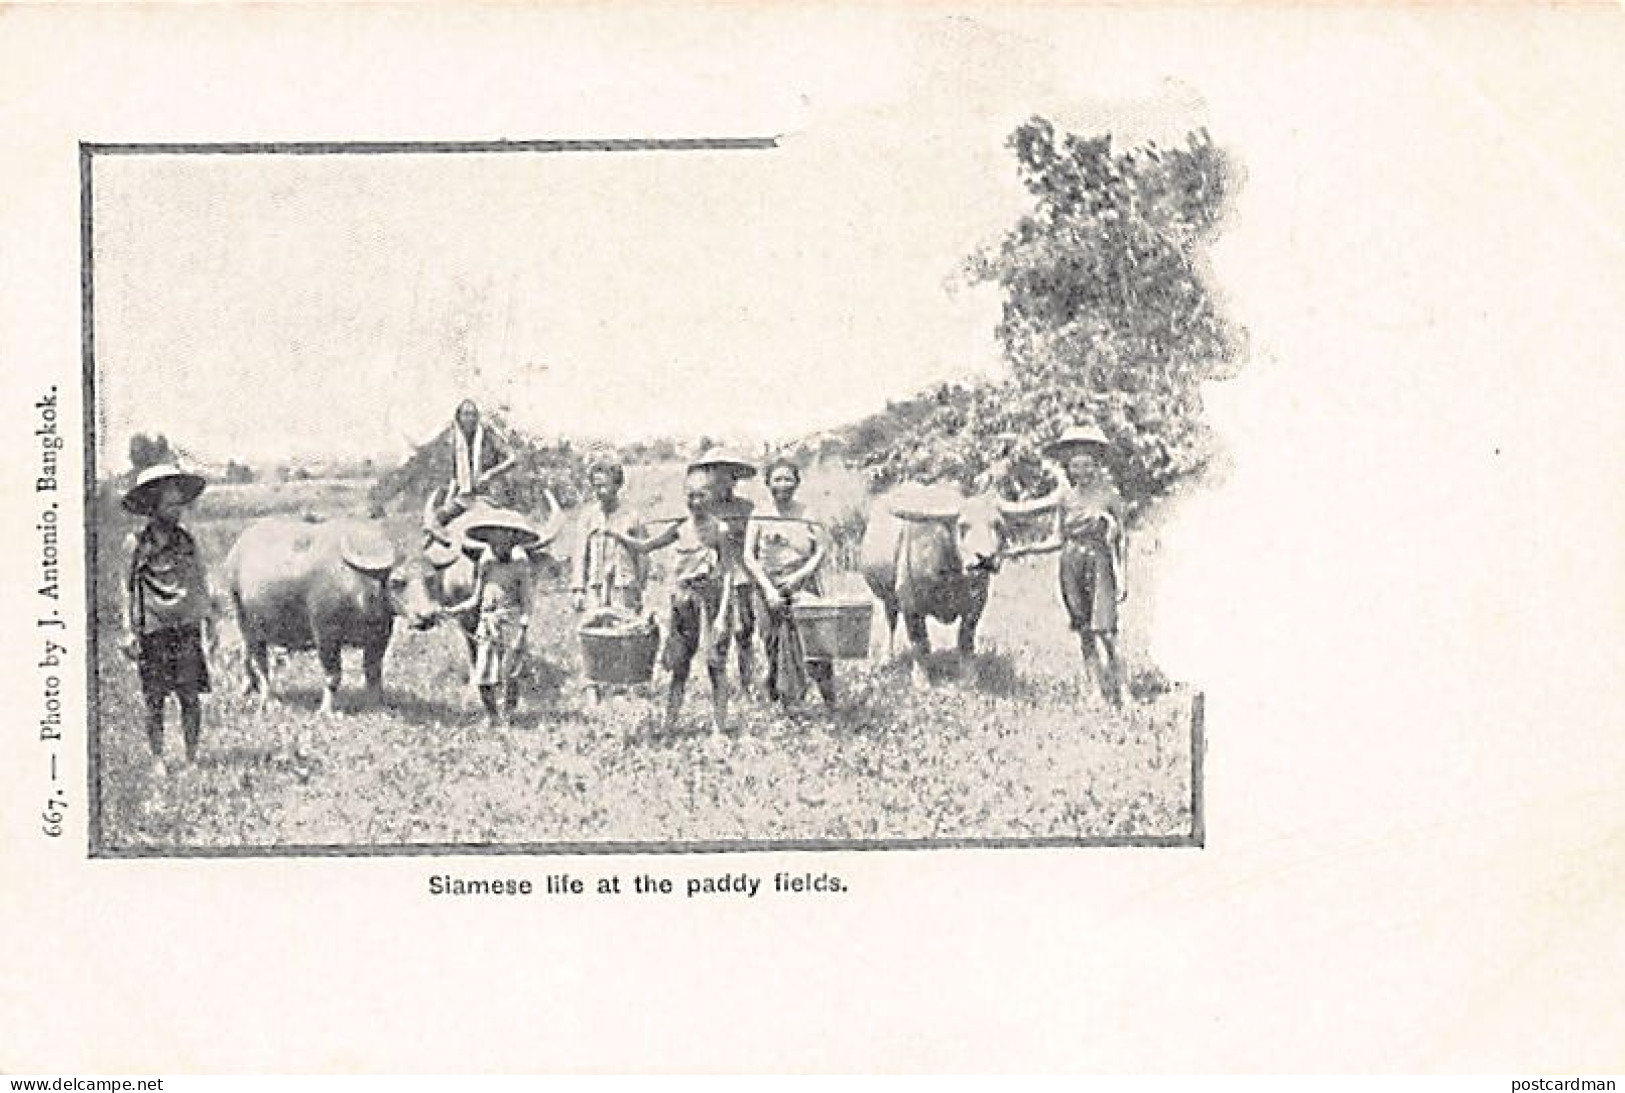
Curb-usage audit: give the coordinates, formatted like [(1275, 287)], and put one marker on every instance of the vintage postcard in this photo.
[(896, 501), (519, 435)]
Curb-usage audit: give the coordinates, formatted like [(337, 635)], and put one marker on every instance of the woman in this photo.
[(477, 460), (784, 552), (1088, 531), (503, 594), (167, 615), (607, 573)]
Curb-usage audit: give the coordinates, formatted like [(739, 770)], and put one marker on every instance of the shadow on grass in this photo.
[(884, 685), (240, 756), (539, 717), (995, 673), (409, 705)]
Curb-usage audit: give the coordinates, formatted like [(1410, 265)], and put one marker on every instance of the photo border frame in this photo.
[(88, 152)]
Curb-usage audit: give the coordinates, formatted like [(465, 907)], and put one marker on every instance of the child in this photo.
[(1088, 531), (167, 616), (502, 593)]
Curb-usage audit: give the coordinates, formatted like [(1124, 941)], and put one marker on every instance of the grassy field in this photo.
[(1014, 746)]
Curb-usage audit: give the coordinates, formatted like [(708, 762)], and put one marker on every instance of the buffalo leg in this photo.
[(967, 640), (256, 667), (919, 640), (331, 654), (372, 665), (257, 661), (891, 629)]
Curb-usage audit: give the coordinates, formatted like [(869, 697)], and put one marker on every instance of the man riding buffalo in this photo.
[(478, 459)]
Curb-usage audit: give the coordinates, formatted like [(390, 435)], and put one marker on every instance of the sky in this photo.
[(270, 307)]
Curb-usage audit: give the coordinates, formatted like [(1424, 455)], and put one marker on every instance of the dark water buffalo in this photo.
[(325, 586), (934, 554)]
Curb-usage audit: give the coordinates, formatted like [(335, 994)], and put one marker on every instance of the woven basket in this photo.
[(833, 629), (619, 652)]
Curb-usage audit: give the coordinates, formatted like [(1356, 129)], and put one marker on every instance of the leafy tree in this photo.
[(149, 451), (1109, 315)]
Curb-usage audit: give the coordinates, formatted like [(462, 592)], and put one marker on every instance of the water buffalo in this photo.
[(325, 586), (933, 553)]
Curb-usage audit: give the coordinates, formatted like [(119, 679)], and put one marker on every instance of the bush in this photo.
[(559, 467)]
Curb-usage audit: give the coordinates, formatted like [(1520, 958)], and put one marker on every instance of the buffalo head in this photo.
[(409, 585), (979, 528), (413, 587)]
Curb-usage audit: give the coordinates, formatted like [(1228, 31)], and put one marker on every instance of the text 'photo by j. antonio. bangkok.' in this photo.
[(649, 495)]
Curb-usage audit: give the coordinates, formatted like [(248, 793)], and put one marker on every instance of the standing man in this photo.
[(167, 613), (732, 514), (606, 574), (698, 597)]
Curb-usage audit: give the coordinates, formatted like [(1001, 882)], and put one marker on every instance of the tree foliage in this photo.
[(538, 466), (1109, 315), (149, 451)]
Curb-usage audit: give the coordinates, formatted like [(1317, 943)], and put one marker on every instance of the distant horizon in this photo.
[(194, 455)]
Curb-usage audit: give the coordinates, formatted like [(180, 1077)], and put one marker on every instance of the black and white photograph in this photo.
[(650, 493)]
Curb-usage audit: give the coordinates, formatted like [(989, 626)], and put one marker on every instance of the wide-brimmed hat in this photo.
[(724, 459), (1075, 437), (500, 525), (142, 497)]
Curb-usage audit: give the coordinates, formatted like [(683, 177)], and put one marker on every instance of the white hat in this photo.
[(142, 497)]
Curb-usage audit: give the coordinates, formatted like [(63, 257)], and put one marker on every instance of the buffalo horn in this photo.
[(555, 518), (432, 527)]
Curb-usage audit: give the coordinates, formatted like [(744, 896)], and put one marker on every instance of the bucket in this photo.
[(833, 629), (618, 649)]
